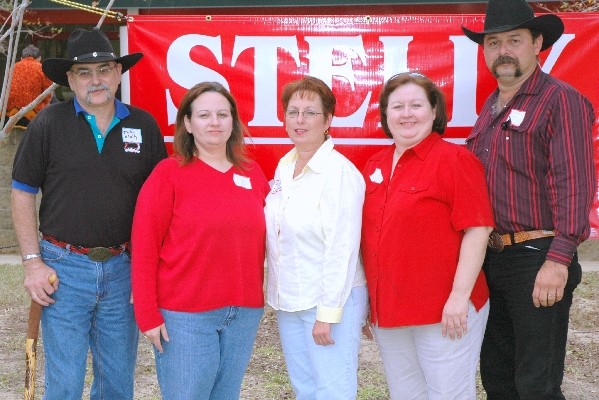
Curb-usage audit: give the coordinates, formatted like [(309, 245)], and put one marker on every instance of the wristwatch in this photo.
[(31, 256)]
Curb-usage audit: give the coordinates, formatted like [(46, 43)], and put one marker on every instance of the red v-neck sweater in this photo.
[(198, 240)]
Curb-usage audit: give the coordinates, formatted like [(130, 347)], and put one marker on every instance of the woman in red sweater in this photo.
[(198, 246), (426, 222)]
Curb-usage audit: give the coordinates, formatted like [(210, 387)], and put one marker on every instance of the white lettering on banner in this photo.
[(464, 82), (183, 70), (325, 64), (395, 50), (556, 51), (186, 73), (265, 68), (171, 108)]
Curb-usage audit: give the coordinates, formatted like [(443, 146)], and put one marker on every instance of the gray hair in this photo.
[(30, 51)]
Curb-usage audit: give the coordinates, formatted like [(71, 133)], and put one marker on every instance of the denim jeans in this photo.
[(92, 310), (207, 353), (324, 372), (524, 347)]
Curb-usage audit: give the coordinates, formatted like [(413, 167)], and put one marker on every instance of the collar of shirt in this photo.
[(531, 85), (120, 110), (318, 160), (384, 159), (424, 147)]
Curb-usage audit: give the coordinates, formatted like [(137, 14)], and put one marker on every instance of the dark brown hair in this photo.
[(306, 85), (433, 93), (183, 142)]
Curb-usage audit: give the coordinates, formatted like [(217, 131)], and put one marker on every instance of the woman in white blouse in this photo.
[(315, 277)]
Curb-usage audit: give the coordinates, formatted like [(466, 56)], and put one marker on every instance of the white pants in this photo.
[(324, 372), (421, 364)]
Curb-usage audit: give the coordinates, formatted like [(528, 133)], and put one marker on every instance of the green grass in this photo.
[(11, 287), (588, 287), (372, 385)]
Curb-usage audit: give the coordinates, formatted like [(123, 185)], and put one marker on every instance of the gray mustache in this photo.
[(93, 88)]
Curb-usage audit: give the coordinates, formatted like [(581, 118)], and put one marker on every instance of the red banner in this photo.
[(254, 56)]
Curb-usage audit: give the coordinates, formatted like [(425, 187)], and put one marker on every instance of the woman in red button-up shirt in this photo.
[(426, 223)]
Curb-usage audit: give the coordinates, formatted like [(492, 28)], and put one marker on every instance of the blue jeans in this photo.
[(324, 372), (92, 310), (207, 354), (523, 351)]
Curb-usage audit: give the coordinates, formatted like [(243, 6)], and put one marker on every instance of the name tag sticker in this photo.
[(132, 140), (516, 117), (377, 176), (242, 181), (276, 187), (131, 135)]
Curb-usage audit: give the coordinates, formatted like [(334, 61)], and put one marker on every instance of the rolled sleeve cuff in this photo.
[(329, 314), (562, 250)]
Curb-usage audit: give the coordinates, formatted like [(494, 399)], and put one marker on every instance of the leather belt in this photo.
[(99, 254), (497, 241)]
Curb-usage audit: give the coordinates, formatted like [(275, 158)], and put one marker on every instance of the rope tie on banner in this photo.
[(96, 10)]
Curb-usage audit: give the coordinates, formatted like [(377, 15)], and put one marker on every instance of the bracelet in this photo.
[(31, 256)]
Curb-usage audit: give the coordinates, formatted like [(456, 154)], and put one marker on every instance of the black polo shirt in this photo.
[(88, 198)]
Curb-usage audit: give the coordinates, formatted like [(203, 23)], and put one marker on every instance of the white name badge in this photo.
[(242, 181), (131, 135), (516, 117), (377, 176)]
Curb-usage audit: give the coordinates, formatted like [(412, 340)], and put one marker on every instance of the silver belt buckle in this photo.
[(99, 254)]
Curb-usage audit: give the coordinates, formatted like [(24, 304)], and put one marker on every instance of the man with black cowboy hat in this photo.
[(534, 137), (90, 156)]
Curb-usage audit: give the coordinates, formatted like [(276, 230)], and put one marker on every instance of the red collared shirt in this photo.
[(413, 226), (539, 164)]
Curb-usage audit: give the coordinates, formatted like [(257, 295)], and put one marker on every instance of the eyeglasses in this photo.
[(308, 114), (102, 72)]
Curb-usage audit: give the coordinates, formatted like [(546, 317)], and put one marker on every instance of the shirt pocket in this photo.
[(522, 145), (415, 188), (372, 187), (523, 128)]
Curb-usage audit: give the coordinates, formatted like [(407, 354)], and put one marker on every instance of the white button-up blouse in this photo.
[(313, 224)]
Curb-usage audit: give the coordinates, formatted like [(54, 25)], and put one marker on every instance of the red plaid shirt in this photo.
[(538, 157)]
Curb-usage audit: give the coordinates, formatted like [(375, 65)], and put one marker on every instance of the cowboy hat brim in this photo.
[(550, 26), (56, 68)]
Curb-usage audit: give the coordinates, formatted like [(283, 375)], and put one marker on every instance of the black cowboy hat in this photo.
[(507, 15), (85, 47)]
